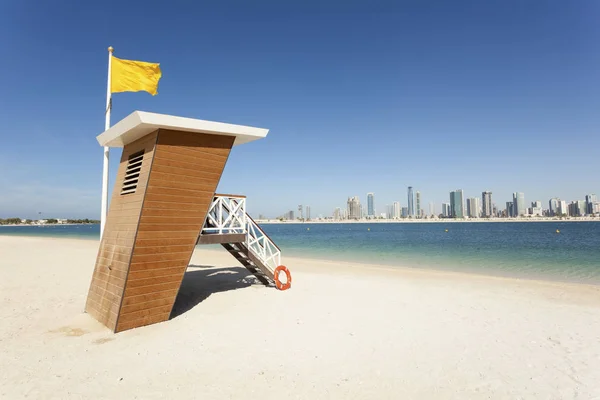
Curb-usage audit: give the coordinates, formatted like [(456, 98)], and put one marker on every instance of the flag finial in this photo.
[(110, 49)]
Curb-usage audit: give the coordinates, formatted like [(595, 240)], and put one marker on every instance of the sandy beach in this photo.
[(344, 331)]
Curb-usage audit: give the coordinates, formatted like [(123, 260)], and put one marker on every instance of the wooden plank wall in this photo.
[(185, 173), (112, 263)]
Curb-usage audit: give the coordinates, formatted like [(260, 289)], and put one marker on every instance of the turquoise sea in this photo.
[(524, 250)]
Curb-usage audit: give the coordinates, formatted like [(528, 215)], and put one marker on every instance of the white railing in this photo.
[(227, 214), (262, 245)]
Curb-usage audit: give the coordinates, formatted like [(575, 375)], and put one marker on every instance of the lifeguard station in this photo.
[(163, 205)]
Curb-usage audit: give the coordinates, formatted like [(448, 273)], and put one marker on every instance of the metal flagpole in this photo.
[(106, 150)]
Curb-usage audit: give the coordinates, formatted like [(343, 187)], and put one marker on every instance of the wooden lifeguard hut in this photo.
[(164, 204)]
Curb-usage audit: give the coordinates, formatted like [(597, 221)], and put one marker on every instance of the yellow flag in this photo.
[(134, 76)]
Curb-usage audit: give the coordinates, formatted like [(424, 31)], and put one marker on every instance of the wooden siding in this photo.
[(112, 265), (185, 173)]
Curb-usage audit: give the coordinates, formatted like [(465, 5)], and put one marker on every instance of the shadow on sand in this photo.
[(200, 281)]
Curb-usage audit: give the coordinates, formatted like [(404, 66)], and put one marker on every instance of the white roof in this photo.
[(140, 123)]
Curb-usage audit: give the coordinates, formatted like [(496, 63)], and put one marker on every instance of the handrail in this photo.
[(226, 215), (267, 250), (235, 196), (263, 232)]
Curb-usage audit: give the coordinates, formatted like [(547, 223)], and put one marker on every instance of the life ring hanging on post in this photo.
[(278, 283)]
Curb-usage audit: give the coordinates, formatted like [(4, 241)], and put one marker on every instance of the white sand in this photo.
[(341, 332)]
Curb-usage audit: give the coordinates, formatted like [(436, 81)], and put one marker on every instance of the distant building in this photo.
[(289, 215), (404, 212), (396, 211), (519, 204), (354, 211), (300, 215), (590, 200), (573, 209), (418, 198), (411, 205), (596, 208), (577, 208), (337, 214), (509, 209), (457, 204), (553, 206), (307, 212), (473, 207), (536, 209), (389, 211), (486, 204), (431, 209), (370, 204), (562, 208), (581, 207), (446, 210)]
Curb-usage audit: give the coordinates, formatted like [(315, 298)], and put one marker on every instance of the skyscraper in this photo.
[(411, 205), (354, 208), (446, 210), (300, 211), (396, 210), (553, 205), (510, 208), (473, 207), (457, 204), (577, 208), (418, 196), (307, 212), (563, 208), (404, 212), (431, 209), (337, 214), (486, 203), (519, 204), (536, 209), (371, 205), (590, 199), (581, 207)]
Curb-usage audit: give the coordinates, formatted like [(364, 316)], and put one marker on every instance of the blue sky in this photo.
[(358, 97)]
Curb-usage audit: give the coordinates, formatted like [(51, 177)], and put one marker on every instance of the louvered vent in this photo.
[(132, 174)]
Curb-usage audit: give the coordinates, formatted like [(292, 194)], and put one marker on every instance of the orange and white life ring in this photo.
[(278, 283)]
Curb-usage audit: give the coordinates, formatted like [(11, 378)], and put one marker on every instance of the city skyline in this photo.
[(460, 206)]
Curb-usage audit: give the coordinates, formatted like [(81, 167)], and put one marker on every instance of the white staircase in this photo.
[(228, 224)]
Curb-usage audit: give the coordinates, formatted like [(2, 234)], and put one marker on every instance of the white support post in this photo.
[(220, 215), (104, 208), (244, 217)]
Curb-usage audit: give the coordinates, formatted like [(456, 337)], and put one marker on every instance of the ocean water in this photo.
[(89, 231), (523, 250)]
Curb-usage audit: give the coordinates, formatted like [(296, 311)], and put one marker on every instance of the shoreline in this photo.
[(44, 225), (360, 267)]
